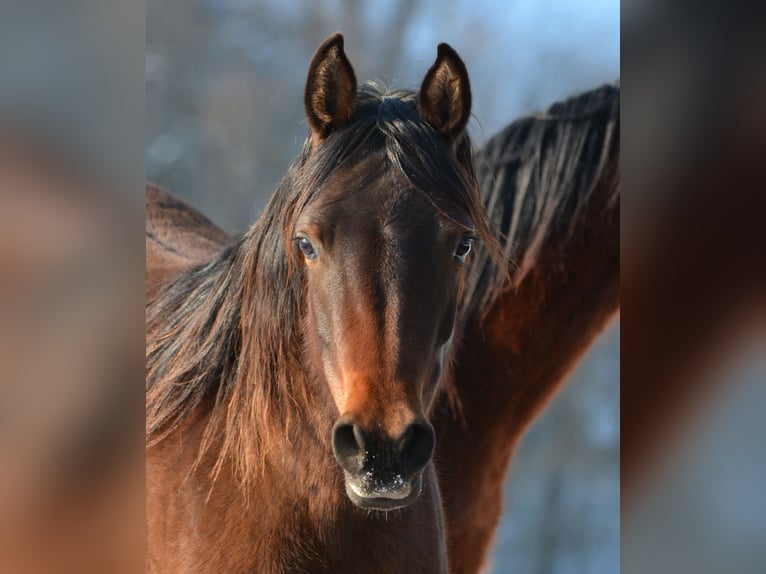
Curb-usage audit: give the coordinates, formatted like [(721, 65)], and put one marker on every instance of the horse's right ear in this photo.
[(330, 89)]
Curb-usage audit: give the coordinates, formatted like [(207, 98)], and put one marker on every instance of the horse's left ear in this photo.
[(445, 96), (330, 88)]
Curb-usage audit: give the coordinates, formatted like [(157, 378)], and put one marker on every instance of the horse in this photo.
[(550, 184), (177, 238), (542, 179), (291, 376)]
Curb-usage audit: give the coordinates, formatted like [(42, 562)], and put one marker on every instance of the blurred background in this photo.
[(224, 119)]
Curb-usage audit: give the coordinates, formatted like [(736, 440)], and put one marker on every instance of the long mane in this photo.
[(536, 176), (224, 338)]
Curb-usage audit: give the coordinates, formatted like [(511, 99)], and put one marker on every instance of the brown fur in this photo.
[(244, 383), (509, 364), (297, 520), (513, 360), (177, 237), (521, 339)]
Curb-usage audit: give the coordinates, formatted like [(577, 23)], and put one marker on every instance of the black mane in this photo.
[(535, 177)]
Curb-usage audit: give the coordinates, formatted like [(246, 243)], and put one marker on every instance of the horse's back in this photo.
[(177, 237)]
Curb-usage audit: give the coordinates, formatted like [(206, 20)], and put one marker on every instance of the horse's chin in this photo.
[(385, 497)]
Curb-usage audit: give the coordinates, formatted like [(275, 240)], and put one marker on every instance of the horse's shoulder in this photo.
[(177, 237)]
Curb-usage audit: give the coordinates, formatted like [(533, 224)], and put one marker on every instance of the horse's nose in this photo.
[(357, 449)]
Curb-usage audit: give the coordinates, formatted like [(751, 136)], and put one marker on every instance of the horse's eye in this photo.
[(463, 249), (307, 249)]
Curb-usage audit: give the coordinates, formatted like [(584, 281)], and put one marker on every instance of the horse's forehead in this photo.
[(367, 171), (383, 214), (371, 193), (375, 193)]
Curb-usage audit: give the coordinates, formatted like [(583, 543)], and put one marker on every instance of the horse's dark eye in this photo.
[(307, 249), (463, 248)]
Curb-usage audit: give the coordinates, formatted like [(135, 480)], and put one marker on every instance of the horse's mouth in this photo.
[(378, 495)]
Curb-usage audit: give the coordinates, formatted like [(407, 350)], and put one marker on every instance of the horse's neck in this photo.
[(539, 332), (510, 364), (294, 517), (533, 335), (235, 522)]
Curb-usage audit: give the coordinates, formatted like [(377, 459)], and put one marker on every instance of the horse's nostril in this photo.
[(417, 445), (348, 445), (406, 438), (357, 451)]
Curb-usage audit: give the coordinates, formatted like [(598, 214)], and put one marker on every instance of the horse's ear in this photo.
[(330, 88), (445, 96)]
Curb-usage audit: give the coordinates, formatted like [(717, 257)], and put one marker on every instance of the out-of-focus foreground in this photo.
[(71, 288)]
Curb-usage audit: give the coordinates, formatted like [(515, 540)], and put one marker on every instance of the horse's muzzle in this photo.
[(382, 472)]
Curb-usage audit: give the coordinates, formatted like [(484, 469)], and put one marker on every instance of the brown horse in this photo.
[(550, 185), (550, 182), (290, 377), (177, 237)]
